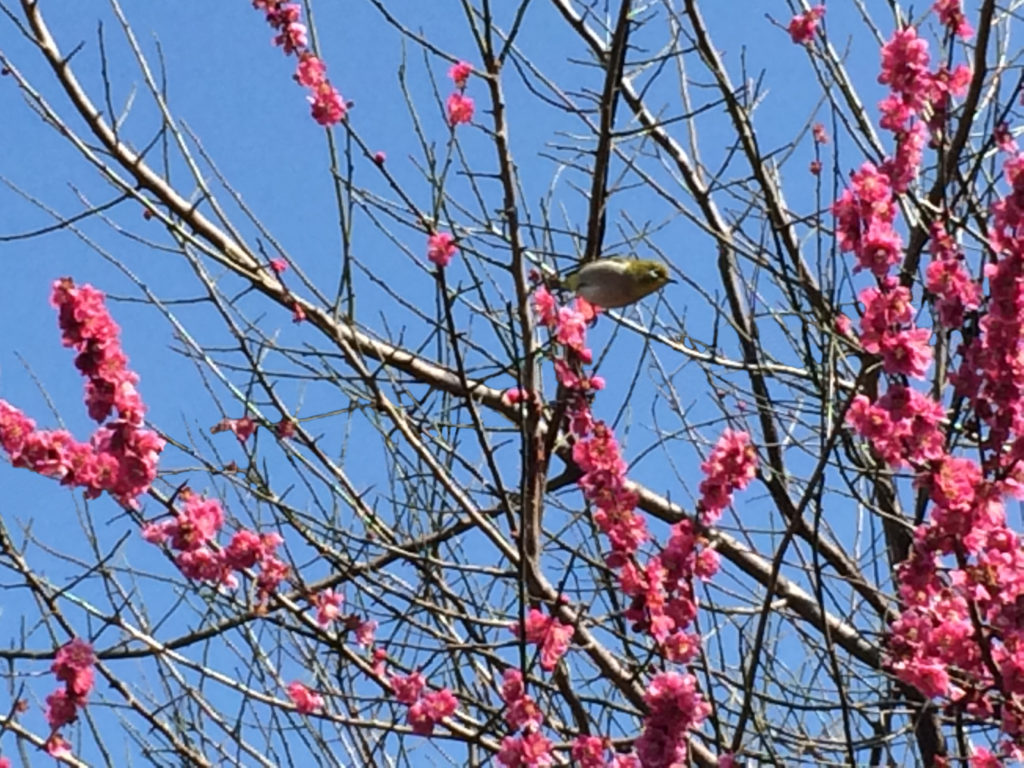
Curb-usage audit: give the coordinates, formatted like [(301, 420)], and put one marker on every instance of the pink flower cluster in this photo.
[(73, 666), (460, 106), (328, 107), (121, 456), (531, 747), (306, 700), (960, 636), (803, 26), (328, 606), (242, 428), (914, 90), (948, 279), (441, 248), (730, 467), (425, 710), (675, 707), (663, 603), (902, 426), (589, 752), (549, 633), (992, 373), (521, 711), (192, 532), (864, 213), (952, 16)]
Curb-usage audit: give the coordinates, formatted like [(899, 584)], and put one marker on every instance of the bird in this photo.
[(617, 281)]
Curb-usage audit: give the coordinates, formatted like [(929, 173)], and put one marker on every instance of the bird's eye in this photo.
[(654, 274)]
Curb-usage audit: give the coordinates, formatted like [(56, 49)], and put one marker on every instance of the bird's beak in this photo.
[(671, 280)]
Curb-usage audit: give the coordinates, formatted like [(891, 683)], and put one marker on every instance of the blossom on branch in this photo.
[(459, 73), (803, 26), (460, 108), (441, 248), (327, 105), (306, 700)]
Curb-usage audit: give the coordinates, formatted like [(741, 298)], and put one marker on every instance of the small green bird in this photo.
[(617, 281)]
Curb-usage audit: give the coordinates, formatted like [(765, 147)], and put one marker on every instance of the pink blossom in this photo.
[(248, 548), (242, 428), (327, 105), (459, 73), (515, 395), (866, 202), (571, 328), (87, 327), (512, 688), (380, 658), (902, 169), (879, 249), (1003, 138), (281, 14), (204, 564), (15, 429), (820, 136), (675, 706), (907, 351), (599, 451), (311, 70), (521, 711), (802, 26), (61, 708), (545, 306), (328, 606), (730, 467), (952, 16), (905, 67), (430, 710), (460, 108), (588, 752), (896, 113), (121, 456), (273, 571), (552, 635), (365, 633), (278, 265), (57, 746), (197, 523), (931, 679), (407, 689), (682, 647), (441, 248), (73, 665), (983, 758), (532, 750), (306, 701), (292, 38)]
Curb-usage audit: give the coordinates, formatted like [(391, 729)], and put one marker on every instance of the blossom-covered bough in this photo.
[(463, 517)]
